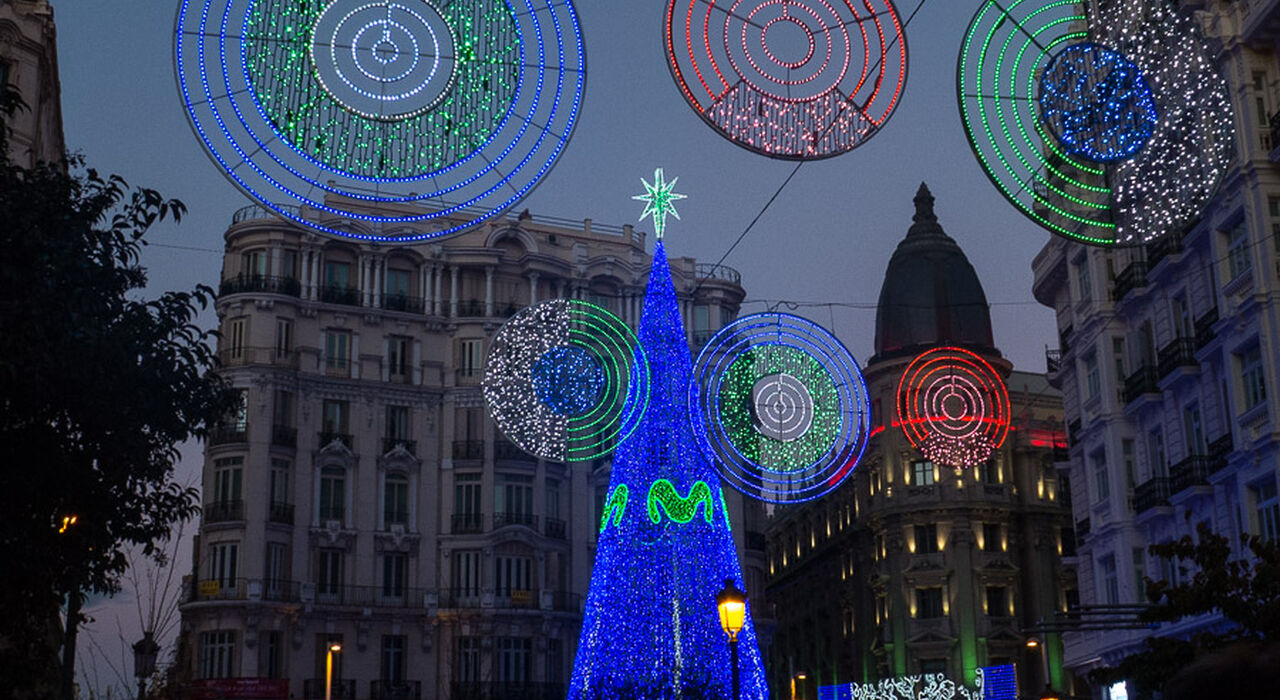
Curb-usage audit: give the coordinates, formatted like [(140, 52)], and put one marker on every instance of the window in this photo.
[(1238, 259), (1268, 508), (282, 408), (337, 275), (1083, 284), (513, 659), (1273, 211), (289, 264), (269, 663), (337, 353), (276, 570), (1139, 574), (1101, 479), (926, 538), (393, 658), (216, 651), (514, 574), (284, 337), (398, 359), (236, 336), (397, 288), (1117, 356), (513, 498), (222, 564), (1182, 323), (928, 603), (239, 422), (553, 499), (1252, 381), (1191, 427), (323, 640), (395, 575), (255, 263), (471, 357), (701, 318), (329, 574), (466, 500), (726, 316), (467, 661), (1092, 382), (989, 472), (466, 573), (1130, 463), (555, 661), (397, 423), (1155, 453), (921, 472), (395, 501), (333, 497), (991, 537), (1108, 584), (278, 490), (227, 480), (997, 601), (335, 416)]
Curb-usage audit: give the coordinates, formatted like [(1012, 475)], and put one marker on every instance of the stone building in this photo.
[(363, 495), (1168, 361), (29, 63), (911, 567)]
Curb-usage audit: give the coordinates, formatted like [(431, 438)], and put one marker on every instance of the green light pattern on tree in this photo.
[(614, 507), (486, 73), (663, 497), (737, 415)]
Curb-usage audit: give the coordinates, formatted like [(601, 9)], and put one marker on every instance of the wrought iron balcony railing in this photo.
[(504, 519), (554, 528), (395, 690), (332, 294), (1191, 471), (284, 435), (1218, 451), (342, 689), (1132, 277), (281, 513), (467, 523), (1140, 382), (241, 284), (229, 434), (468, 449), (1204, 327), (1181, 352), (223, 511), (1152, 493)]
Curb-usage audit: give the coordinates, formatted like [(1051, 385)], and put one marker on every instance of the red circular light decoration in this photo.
[(790, 79), (953, 406)]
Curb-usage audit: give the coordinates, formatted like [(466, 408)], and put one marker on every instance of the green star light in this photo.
[(659, 201)]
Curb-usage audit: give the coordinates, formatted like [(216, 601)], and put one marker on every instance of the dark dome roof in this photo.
[(931, 295)]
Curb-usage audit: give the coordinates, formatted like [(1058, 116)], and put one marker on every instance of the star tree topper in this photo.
[(659, 200)]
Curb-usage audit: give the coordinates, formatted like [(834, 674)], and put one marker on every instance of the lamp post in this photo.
[(796, 682), (732, 604), (145, 651), (328, 670), (1034, 645)]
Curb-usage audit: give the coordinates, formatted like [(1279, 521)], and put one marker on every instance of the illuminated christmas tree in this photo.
[(651, 628)]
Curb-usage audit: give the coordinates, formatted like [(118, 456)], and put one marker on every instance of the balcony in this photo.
[(227, 435), (1064, 339), (1083, 528), (1152, 493), (1192, 471), (1204, 327), (255, 212), (470, 307), (1052, 360), (493, 690), (281, 591), (333, 512), (1179, 353), (470, 376), (223, 511), (401, 302), (723, 273), (467, 523), (343, 689), (554, 528), (240, 356), (1074, 429), (1140, 382), (395, 690), (1218, 452), (215, 589), (284, 435), (1132, 277), (461, 598), (392, 518), (371, 596), (391, 443), (516, 599), (468, 449), (507, 450), (564, 601), (528, 520), (280, 513), (326, 437), (260, 283), (348, 296), (1163, 247)]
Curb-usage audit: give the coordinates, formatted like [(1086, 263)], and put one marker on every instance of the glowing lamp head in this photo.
[(733, 608), (1032, 643), (335, 647)]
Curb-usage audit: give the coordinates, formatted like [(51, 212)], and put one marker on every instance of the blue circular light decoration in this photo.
[(1097, 103), (568, 380), (779, 405), (382, 119)]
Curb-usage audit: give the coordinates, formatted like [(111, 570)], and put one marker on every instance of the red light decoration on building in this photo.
[(790, 79), (953, 406)]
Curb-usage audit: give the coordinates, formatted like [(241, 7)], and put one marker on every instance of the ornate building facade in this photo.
[(363, 495), (1168, 361), (911, 567), (29, 63)]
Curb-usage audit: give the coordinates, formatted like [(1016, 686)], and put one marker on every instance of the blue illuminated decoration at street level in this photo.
[(456, 109), (991, 683), (568, 380), (1097, 103)]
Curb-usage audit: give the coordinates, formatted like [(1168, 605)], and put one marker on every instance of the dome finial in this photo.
[(924, 205)]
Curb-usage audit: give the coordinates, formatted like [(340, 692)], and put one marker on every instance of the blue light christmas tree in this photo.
[(651, 628)]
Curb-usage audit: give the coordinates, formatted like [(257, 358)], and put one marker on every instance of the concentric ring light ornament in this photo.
[(566, 380), (790, 79), (780, 407), (409, 119), (953, 406), (1109, 127)]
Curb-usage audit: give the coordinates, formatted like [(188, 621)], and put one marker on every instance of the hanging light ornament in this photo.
[(953, 406), (790, 79), (389, 119), (780, 407), (1110, 127), (566, 380)]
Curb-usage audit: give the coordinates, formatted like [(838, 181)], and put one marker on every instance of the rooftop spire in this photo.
[(924, 206)]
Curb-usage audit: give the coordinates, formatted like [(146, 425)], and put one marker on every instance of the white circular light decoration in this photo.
[(382, 119), (783, 406)]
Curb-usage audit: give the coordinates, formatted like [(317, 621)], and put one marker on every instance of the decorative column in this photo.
[(488, 290), (533, 288), (436, 274), (453, 291)]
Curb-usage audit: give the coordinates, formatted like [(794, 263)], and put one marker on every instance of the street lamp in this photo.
[(1034, 644), (334, 648), (795, 680), (145, 651), (733, 615)]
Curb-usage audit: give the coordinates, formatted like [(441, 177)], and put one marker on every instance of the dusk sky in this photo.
[(827, 238)]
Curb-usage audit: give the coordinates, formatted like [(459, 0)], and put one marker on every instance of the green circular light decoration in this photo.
[(1134, 194), (586, 419)]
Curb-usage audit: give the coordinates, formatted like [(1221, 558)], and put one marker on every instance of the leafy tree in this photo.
[(1244, 588), (98, 386)]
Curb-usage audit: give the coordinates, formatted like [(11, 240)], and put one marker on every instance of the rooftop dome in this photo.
[(931, 295)]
